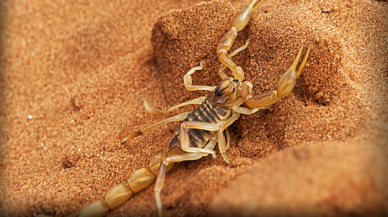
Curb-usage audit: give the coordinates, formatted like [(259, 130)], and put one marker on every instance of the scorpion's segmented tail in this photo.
[(117, 195)]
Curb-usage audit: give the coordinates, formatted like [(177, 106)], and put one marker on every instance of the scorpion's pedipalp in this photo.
[(223, 66), (175, 118), (245, 16), (240, 101), (261, 100), (221, 72), (303, 63), (285, 85), (288, 80), (257, 4), (227, 41), (188, 81), (239, 49), (222, 52), (245, 111)]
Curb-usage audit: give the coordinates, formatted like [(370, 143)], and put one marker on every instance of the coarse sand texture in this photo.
[(73, 72)]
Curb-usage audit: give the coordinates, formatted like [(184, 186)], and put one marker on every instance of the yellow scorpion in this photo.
[(204, 127)]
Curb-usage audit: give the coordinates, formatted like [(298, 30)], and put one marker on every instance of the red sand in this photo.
[(73, 73)]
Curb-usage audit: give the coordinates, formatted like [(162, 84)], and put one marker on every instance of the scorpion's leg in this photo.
[(159, 185), (227, 41), (177, 158), (221, 139), (162, 173), (285, 86), (212, 142), (193, 156), (227, 138), (158, 111), (184, 135), (223, 67), (188, 81), (176, 118)]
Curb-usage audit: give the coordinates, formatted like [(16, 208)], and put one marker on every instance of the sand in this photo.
[(72, 74)]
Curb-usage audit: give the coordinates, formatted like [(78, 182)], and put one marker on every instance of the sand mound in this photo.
[(73, 73)]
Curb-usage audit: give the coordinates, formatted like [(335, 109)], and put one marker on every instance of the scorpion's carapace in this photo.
[(204, 127)]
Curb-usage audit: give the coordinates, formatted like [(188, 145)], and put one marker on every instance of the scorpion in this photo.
[(204, 127)]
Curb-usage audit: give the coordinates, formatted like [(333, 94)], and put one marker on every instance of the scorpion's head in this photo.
[(226, 93)]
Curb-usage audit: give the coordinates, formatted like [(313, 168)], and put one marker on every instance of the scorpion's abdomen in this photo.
[(198, 138)]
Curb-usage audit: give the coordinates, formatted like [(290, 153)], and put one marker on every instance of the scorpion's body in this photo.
[(200, 130), (198, 137), (207, 112)]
